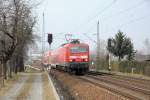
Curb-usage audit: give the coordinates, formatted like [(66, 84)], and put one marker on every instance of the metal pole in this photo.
[(43, 34), (98, 46), (49, 57), (109, 62)]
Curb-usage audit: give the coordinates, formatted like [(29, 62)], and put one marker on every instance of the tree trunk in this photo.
[(119, 59), (1, 75), (16, 65), (10, 68), (5, 70), (21, 64)]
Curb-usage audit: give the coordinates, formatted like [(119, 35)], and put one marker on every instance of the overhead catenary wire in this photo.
[(121, 12), (122, 25), (85, 34), (100, 12), (131, 21), (127, 23), (125, 10), (103, 10)]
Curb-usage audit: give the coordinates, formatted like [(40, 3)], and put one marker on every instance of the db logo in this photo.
[(68, 37)]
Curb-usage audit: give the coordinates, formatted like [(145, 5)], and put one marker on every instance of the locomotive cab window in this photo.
[(78, 49)]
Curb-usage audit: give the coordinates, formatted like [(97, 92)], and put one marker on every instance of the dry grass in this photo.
[(8, 84), (47, 90)]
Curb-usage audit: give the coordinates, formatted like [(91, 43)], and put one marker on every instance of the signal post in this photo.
[(98, 48), (50, 39)]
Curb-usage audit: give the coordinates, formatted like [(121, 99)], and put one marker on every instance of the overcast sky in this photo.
[(80, 16)]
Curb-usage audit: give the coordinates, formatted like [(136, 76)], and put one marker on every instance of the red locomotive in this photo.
[(71, 57)]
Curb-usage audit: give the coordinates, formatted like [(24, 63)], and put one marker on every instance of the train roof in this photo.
[(74, 42), (71, 44)]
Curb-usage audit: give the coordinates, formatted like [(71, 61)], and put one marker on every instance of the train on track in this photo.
[(71, 57)]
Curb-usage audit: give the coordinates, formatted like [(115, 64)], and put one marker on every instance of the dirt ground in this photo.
[(28, 86)]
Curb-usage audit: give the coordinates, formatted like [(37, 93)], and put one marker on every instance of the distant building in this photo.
[(33, 57)]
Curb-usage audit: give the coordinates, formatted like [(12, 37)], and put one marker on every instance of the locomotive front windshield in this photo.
[(78, 49)]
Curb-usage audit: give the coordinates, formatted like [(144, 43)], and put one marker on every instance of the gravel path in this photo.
[(29, 86), (37, 89), (14, 91)]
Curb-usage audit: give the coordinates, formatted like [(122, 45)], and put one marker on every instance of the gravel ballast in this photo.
[(81, 90)]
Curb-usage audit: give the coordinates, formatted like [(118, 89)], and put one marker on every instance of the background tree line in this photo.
[(16, 33), (118, 54), (121, 46)]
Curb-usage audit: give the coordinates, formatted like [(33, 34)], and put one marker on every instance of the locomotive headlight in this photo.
[(73, 57), (84, 57), (70, 60)]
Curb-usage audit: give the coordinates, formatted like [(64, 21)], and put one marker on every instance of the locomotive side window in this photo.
[(78, 49)]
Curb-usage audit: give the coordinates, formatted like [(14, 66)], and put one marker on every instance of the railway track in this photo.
[(118, 86), (122, 76), (142, 83), (138, 80), (132, 88)]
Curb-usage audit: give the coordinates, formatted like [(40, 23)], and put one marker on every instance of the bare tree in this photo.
[(16, 32)]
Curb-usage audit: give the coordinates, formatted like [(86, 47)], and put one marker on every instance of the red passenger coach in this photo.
[(72, 57)]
